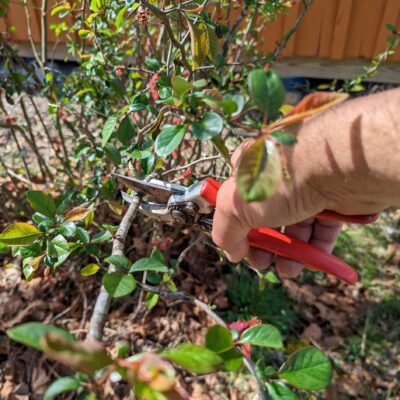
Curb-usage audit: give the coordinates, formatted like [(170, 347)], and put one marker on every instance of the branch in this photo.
[(43, 27), (166, 294), (163, 17), (200, 160), (283, 43), (29, 29), (234, 28), (102, 306)]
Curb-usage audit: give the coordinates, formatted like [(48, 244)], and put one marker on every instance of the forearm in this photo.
[(351, 154)]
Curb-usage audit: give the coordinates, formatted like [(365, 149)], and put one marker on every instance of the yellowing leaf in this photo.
[(286, 108), (35, 262), (259, 172), (89, 219), (90, 269), (115, 207), (77, 214), (199, 42), (311, 104), (196, 10), (20, 234)]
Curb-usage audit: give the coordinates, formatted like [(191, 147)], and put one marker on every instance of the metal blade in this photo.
[(158, 191)]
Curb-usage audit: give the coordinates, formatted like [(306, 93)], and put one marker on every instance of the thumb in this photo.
[(229, 231)]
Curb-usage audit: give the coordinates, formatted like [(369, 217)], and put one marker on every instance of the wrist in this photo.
[(349, 154)]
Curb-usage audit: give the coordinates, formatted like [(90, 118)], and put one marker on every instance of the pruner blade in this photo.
[(158, 191)]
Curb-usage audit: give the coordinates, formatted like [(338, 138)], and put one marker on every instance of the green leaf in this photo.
[(82, 235), (153, 64), (229, 106), (151, 300), (112, 154), (308, 369), (271, 277), (31, 333), (41, 202), (258, 88), (121, 262), (212, 52), (87, 357), (61, 245), (199, 83), (284, 138), (279, 391), (90, 269), (38, 218), (180, 86), (259, 173), (60, 249), (169, 139), (85, 33), (262, 335), (219, 339), (119, 285), (120, 17), (141, 154), (20, 234), (276, 91), (193, 358), (210, 125), (59, 386), (67, 229), (108, 129), (101, 237), (125, 132), (233, 360), (148, 264)]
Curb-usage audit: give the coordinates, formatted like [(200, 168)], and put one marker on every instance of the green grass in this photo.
[(270, 304)]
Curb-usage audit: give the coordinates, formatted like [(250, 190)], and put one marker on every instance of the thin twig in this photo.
[(283, 43), (165, 20), (170, 171), (43, 27), (234, 28), (29, 30), (19, 177), (102, 306)]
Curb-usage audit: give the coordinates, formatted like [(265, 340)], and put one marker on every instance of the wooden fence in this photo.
[(332, 29)]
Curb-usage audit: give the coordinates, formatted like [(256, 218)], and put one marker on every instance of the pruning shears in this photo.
[(195, 205)]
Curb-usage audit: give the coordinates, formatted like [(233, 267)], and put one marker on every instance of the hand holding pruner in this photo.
[(195, 205)]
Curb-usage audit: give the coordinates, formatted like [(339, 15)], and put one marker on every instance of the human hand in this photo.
[(345, 159), (292, 206)]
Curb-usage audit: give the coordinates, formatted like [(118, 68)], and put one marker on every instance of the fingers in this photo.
[(229, 232), (319, 233), (259, 259), (289, 268), (325, 234)]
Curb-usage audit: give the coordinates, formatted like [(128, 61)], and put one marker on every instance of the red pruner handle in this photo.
[(330, 215), (287, 246)]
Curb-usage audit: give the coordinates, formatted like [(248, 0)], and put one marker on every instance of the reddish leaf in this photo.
[(196, 10), (77, 214), (311, 104), (87, 357)]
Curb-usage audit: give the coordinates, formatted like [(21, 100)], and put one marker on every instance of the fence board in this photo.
[(333, 29)]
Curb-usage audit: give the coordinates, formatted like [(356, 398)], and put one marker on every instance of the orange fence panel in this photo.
[(332, 29)]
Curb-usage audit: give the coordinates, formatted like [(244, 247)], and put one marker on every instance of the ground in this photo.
[(358, 326)]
